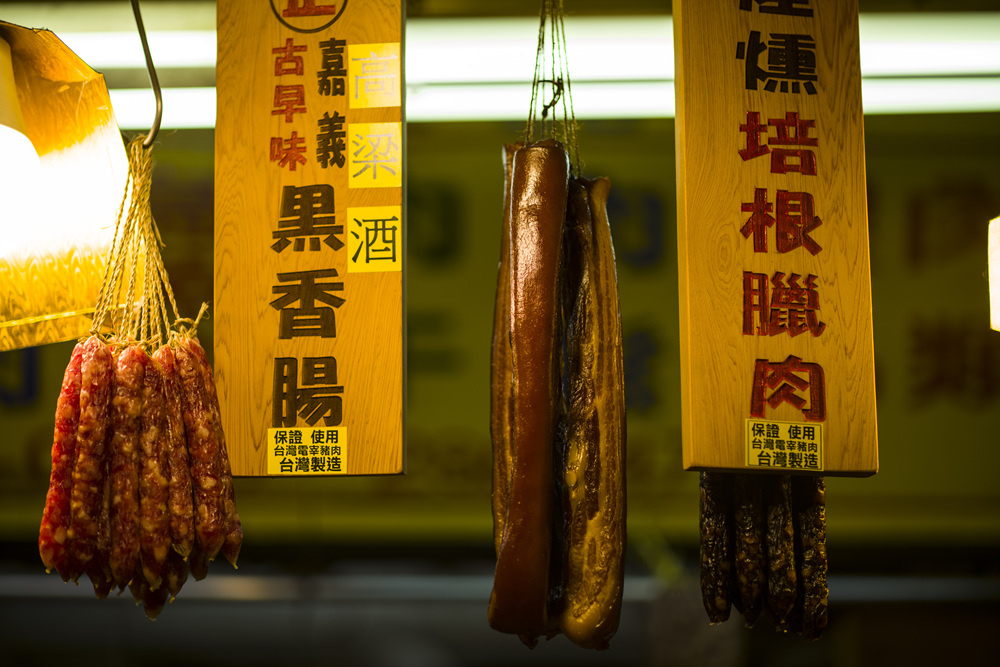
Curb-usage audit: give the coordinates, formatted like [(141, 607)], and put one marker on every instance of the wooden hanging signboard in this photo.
[(309, 236), (777, 360)]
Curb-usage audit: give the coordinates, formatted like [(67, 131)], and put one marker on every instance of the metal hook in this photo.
[(558, 85), (152, 77)]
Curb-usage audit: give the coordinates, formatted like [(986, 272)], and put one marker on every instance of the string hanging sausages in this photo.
[(141, 491)]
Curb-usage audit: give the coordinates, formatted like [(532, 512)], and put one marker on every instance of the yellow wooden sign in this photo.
[(775, 296), (309, 236)]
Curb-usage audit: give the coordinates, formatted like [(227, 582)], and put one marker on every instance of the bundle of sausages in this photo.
[(557, 406), (141, 490), (763, 548)]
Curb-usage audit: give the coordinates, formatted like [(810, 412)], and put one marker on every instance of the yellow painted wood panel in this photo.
[(265, 50), (715, 184)]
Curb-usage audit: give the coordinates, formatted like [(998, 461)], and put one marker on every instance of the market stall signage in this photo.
[(777, 360), (309, 236)]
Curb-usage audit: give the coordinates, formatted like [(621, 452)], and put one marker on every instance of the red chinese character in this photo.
[(287, 100), (307, 8), (753, 129), (790, 307), (793, 220), (288, 152), (287, 62), (786, 379), (796, 219), (759, 221), (791, 131)]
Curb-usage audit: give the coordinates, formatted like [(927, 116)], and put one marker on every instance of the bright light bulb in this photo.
[(20, 168)]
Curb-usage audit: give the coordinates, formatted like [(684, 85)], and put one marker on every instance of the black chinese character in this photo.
[(307, 212), (790, 58), (332, 71), (330, 144), (380, 239), (308, 319), (786, 7), (319, 395)]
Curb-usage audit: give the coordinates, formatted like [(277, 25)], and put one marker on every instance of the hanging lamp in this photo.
[(60, 191)]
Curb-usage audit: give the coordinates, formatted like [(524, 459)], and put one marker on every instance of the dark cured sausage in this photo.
[(53, 534), (518, 603), (781, 577), (97, 369), (125, 413), (204, 449), (716, 544), (591, 465), (748, 544), (154, 536), (809, 500), (179, 501), (234, 528)]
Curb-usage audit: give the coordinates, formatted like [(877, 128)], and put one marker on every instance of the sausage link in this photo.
[(203, 447), (97, 384), (591, 465), (175, 573), (99, 567), (154, 534), (519, 600), (809, 502), (52, 535), (180, 500), (748, 523), (716, 544), (234, 528), (782, 583), (124, 443)]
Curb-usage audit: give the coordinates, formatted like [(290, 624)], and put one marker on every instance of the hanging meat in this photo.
[(763, 549), (141, 490), (557, 388)]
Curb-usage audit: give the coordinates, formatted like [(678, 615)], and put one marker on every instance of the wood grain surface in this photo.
[(368, 345), (713, 184)]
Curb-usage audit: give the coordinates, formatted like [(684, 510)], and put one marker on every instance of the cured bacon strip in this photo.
[(125, 413), (234, 529), (518, 603), (501, 371), (180, 501), (716, 544), (204, 448), (592, 455), (53, 534), (154, 536), (97, 369)]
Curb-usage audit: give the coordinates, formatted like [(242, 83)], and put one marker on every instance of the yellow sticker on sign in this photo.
[(375, 238), (375, 158), (373, 75), (306, 451), (784, 445)]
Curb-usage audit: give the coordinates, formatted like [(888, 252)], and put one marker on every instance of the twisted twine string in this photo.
[(135, 290)]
